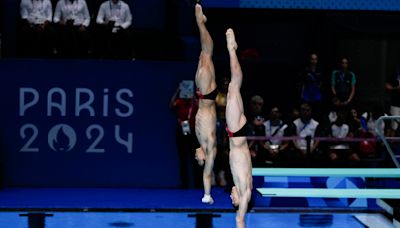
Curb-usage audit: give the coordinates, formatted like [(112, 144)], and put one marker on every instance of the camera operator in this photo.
[(185, 105)]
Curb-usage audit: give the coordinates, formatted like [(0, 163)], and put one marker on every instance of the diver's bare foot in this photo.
[(235, 196), (207, 199), (200, 17), (200, 156), (230, 40)]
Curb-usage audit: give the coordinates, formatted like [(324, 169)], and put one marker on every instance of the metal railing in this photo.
[(381, 135)]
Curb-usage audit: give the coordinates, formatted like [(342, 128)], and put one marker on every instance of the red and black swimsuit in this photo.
[(210, 96), (242, 132)]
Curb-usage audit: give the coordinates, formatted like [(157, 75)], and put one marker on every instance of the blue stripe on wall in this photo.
[(383, 5)]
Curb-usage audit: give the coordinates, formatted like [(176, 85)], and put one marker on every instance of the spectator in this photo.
[(305, 126), (311, 86), (256, 107), (36, 34), (392, 86), (369, 119), (293, 114), (185, 105), (340, 129), (222, 158), (72, 17), (355, 122), (331, 116), (275, 127), (115, 19), (343, 83), (367, 148), (257, 152), (255, 127)]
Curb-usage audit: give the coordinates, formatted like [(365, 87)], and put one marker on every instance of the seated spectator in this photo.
[(368, 148), (331, 116), (335, 107), (302, 152), (256, 107), (115, 19), (293, 114), (36, 35), (257, 151), (274, 127), (340, 129), (369, 119), (355, 122), (255, 125), (72, 17)]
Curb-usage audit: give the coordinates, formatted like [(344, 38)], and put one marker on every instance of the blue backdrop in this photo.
[(89, 123), (385, 5)]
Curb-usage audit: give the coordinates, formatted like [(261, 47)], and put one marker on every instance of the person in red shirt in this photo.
[(186, 141)]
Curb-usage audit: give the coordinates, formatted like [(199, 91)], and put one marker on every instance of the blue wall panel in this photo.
[(383, 5), (221, 3), (68, 123), (390, 5)]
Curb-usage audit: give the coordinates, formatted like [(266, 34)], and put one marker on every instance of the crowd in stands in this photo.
[(325, 129), (325, 110), (68, 29), (325, 107)]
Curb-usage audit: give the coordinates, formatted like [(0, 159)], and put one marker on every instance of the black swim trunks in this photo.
[(210, 96), (242, 132)]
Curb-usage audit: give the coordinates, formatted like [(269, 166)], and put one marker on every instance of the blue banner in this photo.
[(383, 5), (89, 123), (220, 3)]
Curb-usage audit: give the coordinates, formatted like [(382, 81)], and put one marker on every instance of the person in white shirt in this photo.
[(340, 129), (115, 19), (35, 33), (73, 19), (304, 126), (36, 12), (275, 127)]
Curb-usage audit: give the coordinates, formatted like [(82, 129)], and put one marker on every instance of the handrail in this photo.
[(382, 136)]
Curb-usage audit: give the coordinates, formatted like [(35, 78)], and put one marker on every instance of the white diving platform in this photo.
[(331, 172), (330, 193)]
